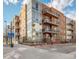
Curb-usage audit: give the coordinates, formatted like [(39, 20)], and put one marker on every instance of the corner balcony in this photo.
[(47, 12)]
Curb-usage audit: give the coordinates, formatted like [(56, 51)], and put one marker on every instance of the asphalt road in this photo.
[(60, 51)]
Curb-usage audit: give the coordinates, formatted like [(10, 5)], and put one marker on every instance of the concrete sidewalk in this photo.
[(28, 52)]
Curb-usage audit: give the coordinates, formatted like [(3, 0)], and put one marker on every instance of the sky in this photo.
[(13, 7)]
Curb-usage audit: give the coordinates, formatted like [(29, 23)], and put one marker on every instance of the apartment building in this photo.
[(23, 24), (5, 33), (40, 23), (19, 26), (70, 30), (34, 21), (53, 24)]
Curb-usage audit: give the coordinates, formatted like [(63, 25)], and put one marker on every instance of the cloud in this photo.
[(24, 1), (13, 1), (61, 5), (71, 14), (7, 2)]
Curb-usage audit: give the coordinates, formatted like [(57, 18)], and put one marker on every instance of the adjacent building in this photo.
[(16, 28), (70, 30), (5, 33)]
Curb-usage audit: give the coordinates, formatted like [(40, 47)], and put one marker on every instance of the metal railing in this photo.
[(49, 12), (50, 31)]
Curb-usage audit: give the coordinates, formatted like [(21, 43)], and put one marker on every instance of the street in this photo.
[(57, 51)]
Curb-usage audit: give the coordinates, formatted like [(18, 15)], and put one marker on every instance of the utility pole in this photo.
[(11, 35)]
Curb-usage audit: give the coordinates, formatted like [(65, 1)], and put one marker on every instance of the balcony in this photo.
[(51, 31), (17, 34), (70, 23), (70, 28), (70, 34), (47, 21), (48, 12), (17, 30), (17, 20), (54, 31), (55, 23), (16, 24), (17, 27), (47, 31)]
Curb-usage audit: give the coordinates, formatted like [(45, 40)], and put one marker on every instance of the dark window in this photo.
[(36, 6), (36, 33), (37, 20)]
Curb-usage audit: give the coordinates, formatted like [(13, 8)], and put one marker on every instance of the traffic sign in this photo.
[(10, 34)]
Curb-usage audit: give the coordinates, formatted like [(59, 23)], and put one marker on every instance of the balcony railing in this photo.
[(69, 28), (50, 31), (55, 31), (70, 23), (70, 34), (17, 20), (17, 30), (55, 23), (17, 27), (46, 11), (47, 31), (17, 33), (47, 21)]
